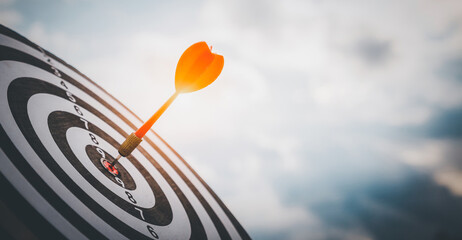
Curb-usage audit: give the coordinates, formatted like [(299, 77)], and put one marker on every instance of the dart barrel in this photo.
[(129, 145)]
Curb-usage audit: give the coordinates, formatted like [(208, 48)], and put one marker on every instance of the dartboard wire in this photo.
[(56, 63), (35, 100), (10, 209), (223, 229), (204, 202), (135, 221), (208, 190), (230, 216), (40, 203), (48, 104), (28, 203), (172, 173), (210, 212), (205, 215), (30, 152), (206, 205), (71, 109)]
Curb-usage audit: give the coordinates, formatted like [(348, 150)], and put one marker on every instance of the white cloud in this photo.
[(427, 154), (10, 18), (60, 44), (450, 178), (6, 2), (255, 201)]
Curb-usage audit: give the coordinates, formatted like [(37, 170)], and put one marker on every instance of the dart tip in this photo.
[(116, 160)]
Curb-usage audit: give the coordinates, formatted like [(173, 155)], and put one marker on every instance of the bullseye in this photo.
[(109, 167)]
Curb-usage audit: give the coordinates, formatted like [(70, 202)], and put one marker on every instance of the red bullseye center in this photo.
[(110, 168)]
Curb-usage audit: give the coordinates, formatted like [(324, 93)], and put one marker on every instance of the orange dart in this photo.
[(197, 68)]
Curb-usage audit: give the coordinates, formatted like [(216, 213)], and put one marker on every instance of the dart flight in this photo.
[(197, 68)]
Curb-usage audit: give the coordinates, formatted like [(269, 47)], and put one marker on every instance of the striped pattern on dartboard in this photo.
[(56, 126)]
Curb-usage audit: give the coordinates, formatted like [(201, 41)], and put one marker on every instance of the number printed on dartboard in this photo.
[(105, 162), (59, 133)]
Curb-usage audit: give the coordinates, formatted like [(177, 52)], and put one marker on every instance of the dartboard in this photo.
[(58, 129)]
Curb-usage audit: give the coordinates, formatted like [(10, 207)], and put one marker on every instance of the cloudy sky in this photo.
[(330, 120)]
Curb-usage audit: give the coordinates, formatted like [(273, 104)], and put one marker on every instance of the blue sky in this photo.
[(330, 120)]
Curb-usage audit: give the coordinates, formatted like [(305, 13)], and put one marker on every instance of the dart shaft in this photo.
[(148, 124), (132, 141)]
